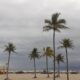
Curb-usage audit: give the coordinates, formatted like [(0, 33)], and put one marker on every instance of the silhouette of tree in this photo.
[(66, 43), (9, 48), (34, 54), (59, 58), (48, 53)]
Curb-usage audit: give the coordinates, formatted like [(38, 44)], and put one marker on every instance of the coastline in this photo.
[(42, 72)]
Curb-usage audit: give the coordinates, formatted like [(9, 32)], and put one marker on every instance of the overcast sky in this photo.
[(22, 21)]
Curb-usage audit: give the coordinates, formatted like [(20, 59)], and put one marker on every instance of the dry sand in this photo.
[(39, 77)]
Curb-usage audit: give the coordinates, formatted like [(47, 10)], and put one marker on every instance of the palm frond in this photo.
[(60, 26), (48, 21), (47, 28), (55, 17), (62, 21)]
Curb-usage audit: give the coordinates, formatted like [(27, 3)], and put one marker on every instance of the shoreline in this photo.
[(40, 72)]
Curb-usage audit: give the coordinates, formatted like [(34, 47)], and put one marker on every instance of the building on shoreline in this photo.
[(2, 69)]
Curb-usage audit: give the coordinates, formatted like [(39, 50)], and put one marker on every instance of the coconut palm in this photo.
[(66, 43), (54, 24), (34, 54), (48, 53), (9, 48), (59, 58)]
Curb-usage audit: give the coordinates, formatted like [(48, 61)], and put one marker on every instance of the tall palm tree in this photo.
[(48, 53), (9, 48), (54, 24), (34, 54), (66, 43), (59, 58)]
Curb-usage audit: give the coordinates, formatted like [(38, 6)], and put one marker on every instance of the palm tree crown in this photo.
[(48, 51), (55, 23), (10, 48), (67, 43), (34, 54), (59, 58)]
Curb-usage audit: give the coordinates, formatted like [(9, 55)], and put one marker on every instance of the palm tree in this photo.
[(66, 43), (48, 53), (54, 24), (59, 58), (34, 54), (9, 48)]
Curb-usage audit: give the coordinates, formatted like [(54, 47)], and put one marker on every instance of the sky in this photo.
[(22, 21)]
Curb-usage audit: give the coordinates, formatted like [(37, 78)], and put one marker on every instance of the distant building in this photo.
[(2, 69)]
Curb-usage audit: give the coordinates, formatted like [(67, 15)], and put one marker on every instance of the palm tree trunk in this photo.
[(54, 54), (35, 69), (67, 64), (47, 66), (8, 66), (58, 69)]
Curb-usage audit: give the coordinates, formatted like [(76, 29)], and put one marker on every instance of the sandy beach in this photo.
[(39, 77)]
